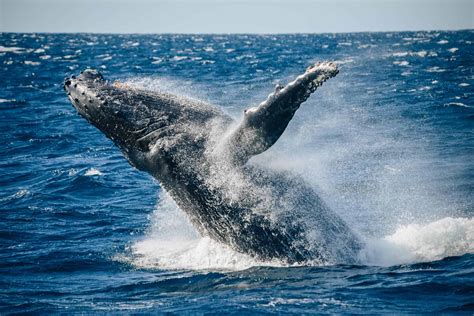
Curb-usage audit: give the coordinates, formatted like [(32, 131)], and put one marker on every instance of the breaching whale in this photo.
[(200, 156)]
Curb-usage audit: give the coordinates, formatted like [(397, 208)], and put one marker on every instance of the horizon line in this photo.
[(237, 33)]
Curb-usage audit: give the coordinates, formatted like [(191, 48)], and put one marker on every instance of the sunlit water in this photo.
[(388, 144)]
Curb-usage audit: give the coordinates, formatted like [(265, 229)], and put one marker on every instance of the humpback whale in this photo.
[(201, 157)]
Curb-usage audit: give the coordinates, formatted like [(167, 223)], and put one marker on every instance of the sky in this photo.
[(234, 16)]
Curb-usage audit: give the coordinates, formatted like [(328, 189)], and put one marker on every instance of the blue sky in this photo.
[(234, 16)]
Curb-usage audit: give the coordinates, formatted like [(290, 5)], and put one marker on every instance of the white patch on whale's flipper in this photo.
[(263, 125)]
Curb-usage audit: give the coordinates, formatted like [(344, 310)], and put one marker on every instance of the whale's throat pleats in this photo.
[(261, 126)]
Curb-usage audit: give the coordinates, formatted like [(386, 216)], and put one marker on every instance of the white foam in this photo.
[(401, 63), (32, 63), (179, 58), (21, 193), (422, 53), (7, 100), (173, 243), (194, 254), (435, 69), (460, 104), (11, 49), (302, 301), (422, 242), (93, 172)]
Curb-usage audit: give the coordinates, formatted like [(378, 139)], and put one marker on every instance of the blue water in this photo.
[(388, 143)]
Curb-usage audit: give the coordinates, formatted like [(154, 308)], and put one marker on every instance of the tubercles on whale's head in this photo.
[(109, 109), (83, 91)]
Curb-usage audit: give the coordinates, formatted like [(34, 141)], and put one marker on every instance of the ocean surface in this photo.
[(388, 144)]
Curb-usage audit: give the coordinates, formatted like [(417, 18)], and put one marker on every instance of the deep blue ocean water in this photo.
[(388, 143)]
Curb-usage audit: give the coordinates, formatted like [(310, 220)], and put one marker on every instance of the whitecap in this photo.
[(422, 243), (207, 62), (421, 53), (32, 63), (72, 172), (11, 49), (453, 50), (442, 42), (457, 104), (464, 84), (400, 54), (93, 172), (366, 46), (435, 69), (401, 63), (301, 301), (178, 58), (21, 193), (7, 100)]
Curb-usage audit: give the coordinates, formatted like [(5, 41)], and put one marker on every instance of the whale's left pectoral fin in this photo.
[(263, 125)]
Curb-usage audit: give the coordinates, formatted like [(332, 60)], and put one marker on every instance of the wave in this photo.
[(415, 243)]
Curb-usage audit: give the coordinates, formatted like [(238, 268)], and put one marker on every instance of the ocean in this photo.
[(388, 144)]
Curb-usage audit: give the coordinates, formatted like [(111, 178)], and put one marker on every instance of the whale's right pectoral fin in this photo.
[(263, 125)]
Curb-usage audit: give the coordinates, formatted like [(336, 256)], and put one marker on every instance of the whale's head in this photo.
[(85, 93), (140, 122), (121, 114)]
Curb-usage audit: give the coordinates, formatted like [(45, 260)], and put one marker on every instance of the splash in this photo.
[(421, 243), (173, 243), (370, 165)]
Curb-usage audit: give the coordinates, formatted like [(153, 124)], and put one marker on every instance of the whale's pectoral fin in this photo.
[(263, 125)]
